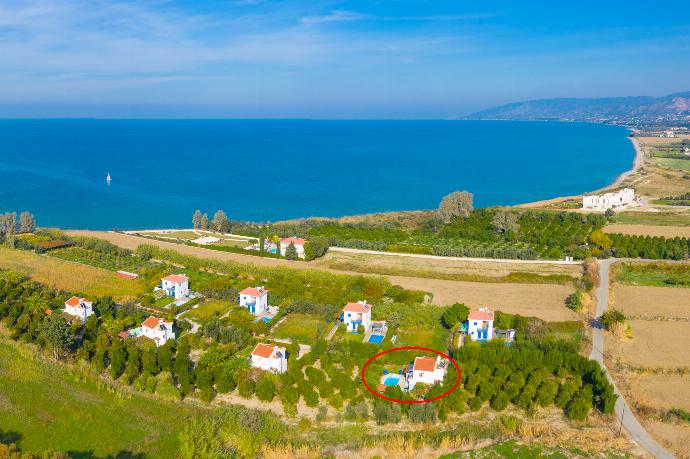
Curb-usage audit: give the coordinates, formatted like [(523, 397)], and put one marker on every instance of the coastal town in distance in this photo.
[(189, 269)]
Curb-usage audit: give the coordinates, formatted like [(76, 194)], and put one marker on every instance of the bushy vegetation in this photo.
[(653, 247)]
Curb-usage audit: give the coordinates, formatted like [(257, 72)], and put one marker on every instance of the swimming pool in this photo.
[(378, 339), (391, 381), (267, 319)]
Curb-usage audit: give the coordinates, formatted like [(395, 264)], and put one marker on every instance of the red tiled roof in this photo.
[(176, 278), (263, 350), (153, 322), (424, 363), (357, 307), (294, 240), (127, 275), (74, 301), (254, 291), (481, 315), (123, 334)]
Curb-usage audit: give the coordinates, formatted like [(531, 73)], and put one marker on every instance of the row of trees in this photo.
[(220, 222), (9, 226)]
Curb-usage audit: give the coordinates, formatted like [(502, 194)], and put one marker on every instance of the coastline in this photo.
[(638, 162)]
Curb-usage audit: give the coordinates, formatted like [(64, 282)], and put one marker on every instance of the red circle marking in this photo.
[(405, 348)]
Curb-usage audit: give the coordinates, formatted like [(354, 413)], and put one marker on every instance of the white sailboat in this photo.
[(107, 178)]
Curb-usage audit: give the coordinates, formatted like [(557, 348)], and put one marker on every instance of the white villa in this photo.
[(298, 243), (79, 307), (255, 299), (176, 285), (618, 200), (269, 357), (356, 314), (427, 370), (159, 330), (480, 325)]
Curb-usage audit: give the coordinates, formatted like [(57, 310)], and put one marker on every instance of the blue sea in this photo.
[(268, 170)]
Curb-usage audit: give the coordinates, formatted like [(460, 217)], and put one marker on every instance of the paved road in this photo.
[(629, 422)]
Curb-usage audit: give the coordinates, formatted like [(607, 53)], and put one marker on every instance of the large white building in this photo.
[(79, 307), (356, 314), (176, 285), (618, 200), (427, 370), (159, 330), (269, 357), (255, 299), (480, 325)]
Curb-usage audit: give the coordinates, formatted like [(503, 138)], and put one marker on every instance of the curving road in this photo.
[(629, 422)]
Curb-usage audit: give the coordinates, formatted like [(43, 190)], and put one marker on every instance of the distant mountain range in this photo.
[(674, 107)]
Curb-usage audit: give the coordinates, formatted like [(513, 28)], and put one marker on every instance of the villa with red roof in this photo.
[(79, 308), (480, 325), (255, 299), (269, 357), (157, 329), (297, 241), (176, 285), (426, 370), (356, 314)]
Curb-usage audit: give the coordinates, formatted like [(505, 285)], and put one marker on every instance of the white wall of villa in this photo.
[(619, 199), (356, 314), (480, 325), (426, 370), (176, 285), (159, 330), (255, 299), (269, 358), (79, 308)]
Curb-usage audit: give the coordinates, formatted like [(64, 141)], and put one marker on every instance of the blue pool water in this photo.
[(378, 339), (162, 170), (266, 319), (391, 381)]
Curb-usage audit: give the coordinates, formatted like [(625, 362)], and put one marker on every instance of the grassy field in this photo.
[(636, 301), (544, 301), (513, 449), (70, 276), (653, 274), (53, 406), (432, 338), (208, 310), (648, 230), (173, 234), (673, 163), (301, 328), (450, 269), (652, 218), (655, 370)]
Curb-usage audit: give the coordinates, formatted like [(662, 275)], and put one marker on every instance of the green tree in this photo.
[(204, 222), (246, 387), (165, 356), (57, 334), (578, 408), (149, 362), (454, 316), (196, 219), (220, 222), (106, 306), (457, 204), (547, 392), (265, 387), (611, 318), (291, 252), (118, 359), (499, 401)]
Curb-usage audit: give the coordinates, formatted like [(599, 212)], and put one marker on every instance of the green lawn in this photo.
[(654, 218), (163, 302), (233, 243), (208, 310), (653, 274), (434, 338), (515, 450), (302, 328), (54, 406), (672, 163)]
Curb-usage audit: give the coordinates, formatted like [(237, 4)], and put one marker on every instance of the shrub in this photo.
[(246, 387)]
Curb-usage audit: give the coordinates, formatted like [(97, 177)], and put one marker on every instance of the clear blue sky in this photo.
[(331, 59)]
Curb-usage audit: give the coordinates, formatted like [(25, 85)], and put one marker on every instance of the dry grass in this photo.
[(655, 344), (539, 300), (70, 276), (661, 391), (673, 436), (639, 301), (439, 269), (648, 230)]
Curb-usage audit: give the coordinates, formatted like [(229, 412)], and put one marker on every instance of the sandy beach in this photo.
[(638, 162)]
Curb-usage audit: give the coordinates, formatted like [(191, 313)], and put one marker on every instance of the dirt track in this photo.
[(541, 300)]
